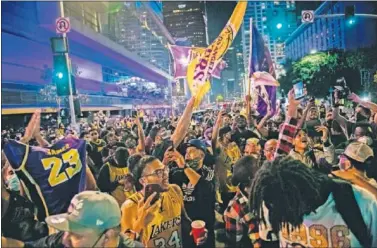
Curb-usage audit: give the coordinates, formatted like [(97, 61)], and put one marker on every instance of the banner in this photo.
[(201, 67), (261, 73), (181, 57)]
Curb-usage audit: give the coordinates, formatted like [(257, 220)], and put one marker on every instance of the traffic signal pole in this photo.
[(70, 97)]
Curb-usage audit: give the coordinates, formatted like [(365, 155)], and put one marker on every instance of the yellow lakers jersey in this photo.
[(229, 156), (165, 228), (117, 174)]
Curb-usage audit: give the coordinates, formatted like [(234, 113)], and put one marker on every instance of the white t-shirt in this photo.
[(326, 227)]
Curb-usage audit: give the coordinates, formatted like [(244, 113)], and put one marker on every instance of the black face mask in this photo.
[(360, 118), (329, 123)]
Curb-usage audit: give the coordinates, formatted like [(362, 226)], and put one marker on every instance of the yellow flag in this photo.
[(203, 62)]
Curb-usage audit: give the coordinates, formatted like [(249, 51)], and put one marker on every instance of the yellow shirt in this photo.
[(228, 156), (165, 228), (117, 174)]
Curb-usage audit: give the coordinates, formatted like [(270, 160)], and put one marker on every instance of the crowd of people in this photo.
[(302, 176)]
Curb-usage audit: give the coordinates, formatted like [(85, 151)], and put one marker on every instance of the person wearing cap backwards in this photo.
[(240, 224), (92, 220), (197, 182), (158, 223), (115, 178), (357, 166)]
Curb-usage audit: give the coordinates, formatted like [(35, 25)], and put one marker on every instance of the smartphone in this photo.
[(150, 189), (169, 144), (311, 125), (134, 114), (300, 91)]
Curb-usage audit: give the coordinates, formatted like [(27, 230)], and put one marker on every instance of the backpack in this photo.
[(346, 205)]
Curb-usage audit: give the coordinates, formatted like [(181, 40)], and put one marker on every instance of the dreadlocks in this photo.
[(289, 190)]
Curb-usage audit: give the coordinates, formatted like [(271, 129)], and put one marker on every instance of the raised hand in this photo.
[(31, 127), (355, 98)]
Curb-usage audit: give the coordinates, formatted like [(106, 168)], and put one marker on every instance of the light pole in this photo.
[(70, 97)]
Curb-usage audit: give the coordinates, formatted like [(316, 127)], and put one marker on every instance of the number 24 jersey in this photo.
[(52, 175)]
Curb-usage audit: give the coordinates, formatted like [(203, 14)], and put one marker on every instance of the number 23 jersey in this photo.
[(52, 175)]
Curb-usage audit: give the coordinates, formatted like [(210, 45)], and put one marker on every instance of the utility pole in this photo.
[(70, 97)]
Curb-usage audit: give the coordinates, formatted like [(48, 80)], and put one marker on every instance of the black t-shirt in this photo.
[(199, 202), (241, 138), (19, 221), (200, 199), (94, 150)]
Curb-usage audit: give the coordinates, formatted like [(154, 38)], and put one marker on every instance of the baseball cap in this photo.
[(197, 143), (88, 210), (358, 151)]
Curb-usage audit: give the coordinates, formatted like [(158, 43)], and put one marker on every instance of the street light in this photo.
[(279, 26), (60, 75), (313, 51)]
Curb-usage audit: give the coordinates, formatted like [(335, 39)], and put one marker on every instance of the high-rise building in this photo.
[(275, 20), (334, 32), (137, 27), (186, 20)]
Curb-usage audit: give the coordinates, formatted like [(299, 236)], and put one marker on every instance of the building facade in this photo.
[(334, 32), (275, 20), (186, 20), (98, 63), (135, 25)]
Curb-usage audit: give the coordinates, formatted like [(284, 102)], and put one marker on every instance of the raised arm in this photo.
[(183, 123), (215, 131), (140, 134), (370, 105), (289, 127)]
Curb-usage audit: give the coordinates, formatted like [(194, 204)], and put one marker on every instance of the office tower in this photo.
[(186, 20)]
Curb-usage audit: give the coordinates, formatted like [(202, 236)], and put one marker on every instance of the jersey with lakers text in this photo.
[(52, 175), (165, 228)]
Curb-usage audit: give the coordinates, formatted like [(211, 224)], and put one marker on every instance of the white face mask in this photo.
[(14, 183), (366, 140)]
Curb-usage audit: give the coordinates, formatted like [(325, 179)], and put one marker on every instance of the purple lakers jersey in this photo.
[(52, 175)]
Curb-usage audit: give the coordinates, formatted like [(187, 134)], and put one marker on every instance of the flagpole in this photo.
[(250, 56)]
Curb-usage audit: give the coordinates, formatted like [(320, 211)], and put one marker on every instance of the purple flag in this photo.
[(182, 56), (260, 61)]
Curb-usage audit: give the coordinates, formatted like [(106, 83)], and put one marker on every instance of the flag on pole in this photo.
[(201, 68), (181, 57), (262, 73)]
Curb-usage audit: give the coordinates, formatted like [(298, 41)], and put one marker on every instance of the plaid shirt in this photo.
[(240, 225), (286, 136)]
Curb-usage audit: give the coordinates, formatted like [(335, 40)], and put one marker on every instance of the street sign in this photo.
[(63, 25), (307, 16)]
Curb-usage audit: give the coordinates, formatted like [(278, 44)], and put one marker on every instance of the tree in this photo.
[(219, 98), (319, 71)]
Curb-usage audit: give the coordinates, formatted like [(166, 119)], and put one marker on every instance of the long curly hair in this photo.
[(289, 190)]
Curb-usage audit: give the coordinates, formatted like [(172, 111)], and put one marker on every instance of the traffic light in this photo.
[(349, 14), (276, 22), (61, 75)]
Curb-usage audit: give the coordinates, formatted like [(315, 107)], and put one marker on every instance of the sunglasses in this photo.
[(94, 134)]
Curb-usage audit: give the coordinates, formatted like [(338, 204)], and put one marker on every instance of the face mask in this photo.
[(193, 163), (14, 183), (131, 143), (366, 140), (360, 117)]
